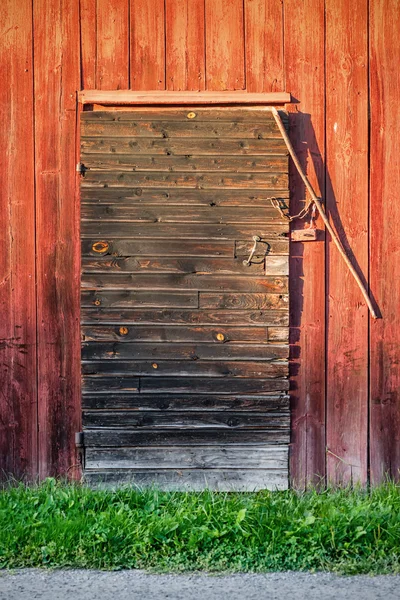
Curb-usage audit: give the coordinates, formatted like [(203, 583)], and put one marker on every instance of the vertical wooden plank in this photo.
[(56, 52), (304, 77), (88, 25), (112, 30), (264, 45), (384, 253), (147, 45), (18, 397), (347, 203), (225, 45), (185, 52)]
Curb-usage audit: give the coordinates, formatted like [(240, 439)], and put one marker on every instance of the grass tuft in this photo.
[(349, 531)]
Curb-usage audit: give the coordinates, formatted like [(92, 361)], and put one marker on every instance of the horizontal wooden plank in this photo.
[(202, 179), (106, 97), (183, 147), (189, 419), (143, 351), (243, 301), (234, 480), (149, 163), (165, 248), (227, 266), (235, 114), (184, 368), (213, 385), (188, 231), (147, 198), (177, 214), (180, 333), (193, 437), (168, 316), (187, 457), (110, 384), (177, 281), (190, 128), (141, 298), (271, 403), (272, 246)]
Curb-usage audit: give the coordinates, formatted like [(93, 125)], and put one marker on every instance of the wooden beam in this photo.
[(176, 98)]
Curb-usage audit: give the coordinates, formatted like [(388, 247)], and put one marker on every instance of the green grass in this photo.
[(59, 525)]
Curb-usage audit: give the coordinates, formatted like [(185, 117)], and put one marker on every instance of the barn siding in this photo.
[(339, 62)]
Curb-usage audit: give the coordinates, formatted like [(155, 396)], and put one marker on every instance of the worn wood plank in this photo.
[(170, 420), (126, 350), (177, 281), (166, 247), (264, 45), (278, 246), (304, 76), (224, 45), (147, 45), (264, 404), (347, 187), (88, 42), (18, 382), (189, 162), (56, 78), (217, 386), (112, 44), (191, 231), (175, 437), (198, 457), (243, 301), (185, 368), (184, 42), (197, 480), (190, 128), (168, 316), (208, 98), (384, 256), (141, 298), (182, 147)]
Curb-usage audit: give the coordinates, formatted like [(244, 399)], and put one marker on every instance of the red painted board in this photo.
[(225, 45), (384, 248), (185, 50), (18, 397), (264, 45), (304, 77), (112, 35), (57, 76), (347, 205), (88, 43), (147, 45)]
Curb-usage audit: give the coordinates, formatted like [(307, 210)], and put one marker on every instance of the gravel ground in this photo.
[(132, 585)]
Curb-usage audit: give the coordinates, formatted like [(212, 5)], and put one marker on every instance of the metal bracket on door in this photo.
[(256, 239)]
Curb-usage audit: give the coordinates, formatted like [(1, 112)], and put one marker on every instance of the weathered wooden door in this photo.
[(185, 347)]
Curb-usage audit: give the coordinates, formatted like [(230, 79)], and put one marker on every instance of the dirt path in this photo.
[(135, 585)]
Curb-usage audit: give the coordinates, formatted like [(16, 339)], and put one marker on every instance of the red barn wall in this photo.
[(340, 61)]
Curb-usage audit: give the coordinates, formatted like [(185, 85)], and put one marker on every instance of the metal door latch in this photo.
[(256, 239)]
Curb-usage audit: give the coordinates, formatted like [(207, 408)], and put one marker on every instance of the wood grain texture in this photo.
[(89, 43), (304, 76), (112, 31), (184, 42), (264, 45), (18, 382), (147, 44), (224, 45), (156, 98), (57, 232), (347, 202), (384, 256)]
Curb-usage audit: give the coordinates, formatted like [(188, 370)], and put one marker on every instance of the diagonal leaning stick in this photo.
[(322, 212)]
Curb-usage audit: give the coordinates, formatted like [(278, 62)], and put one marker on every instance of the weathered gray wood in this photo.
[(243, 301), (182, 147), (278, 334), (190, 162), (179, 351), (190, 419), (266, 403), (234, 480), (178, 281), (240, 114), (140, 298), (186, 368), (187, 457), (213, 385), (163, 247), (183, 437), (173, 316)]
